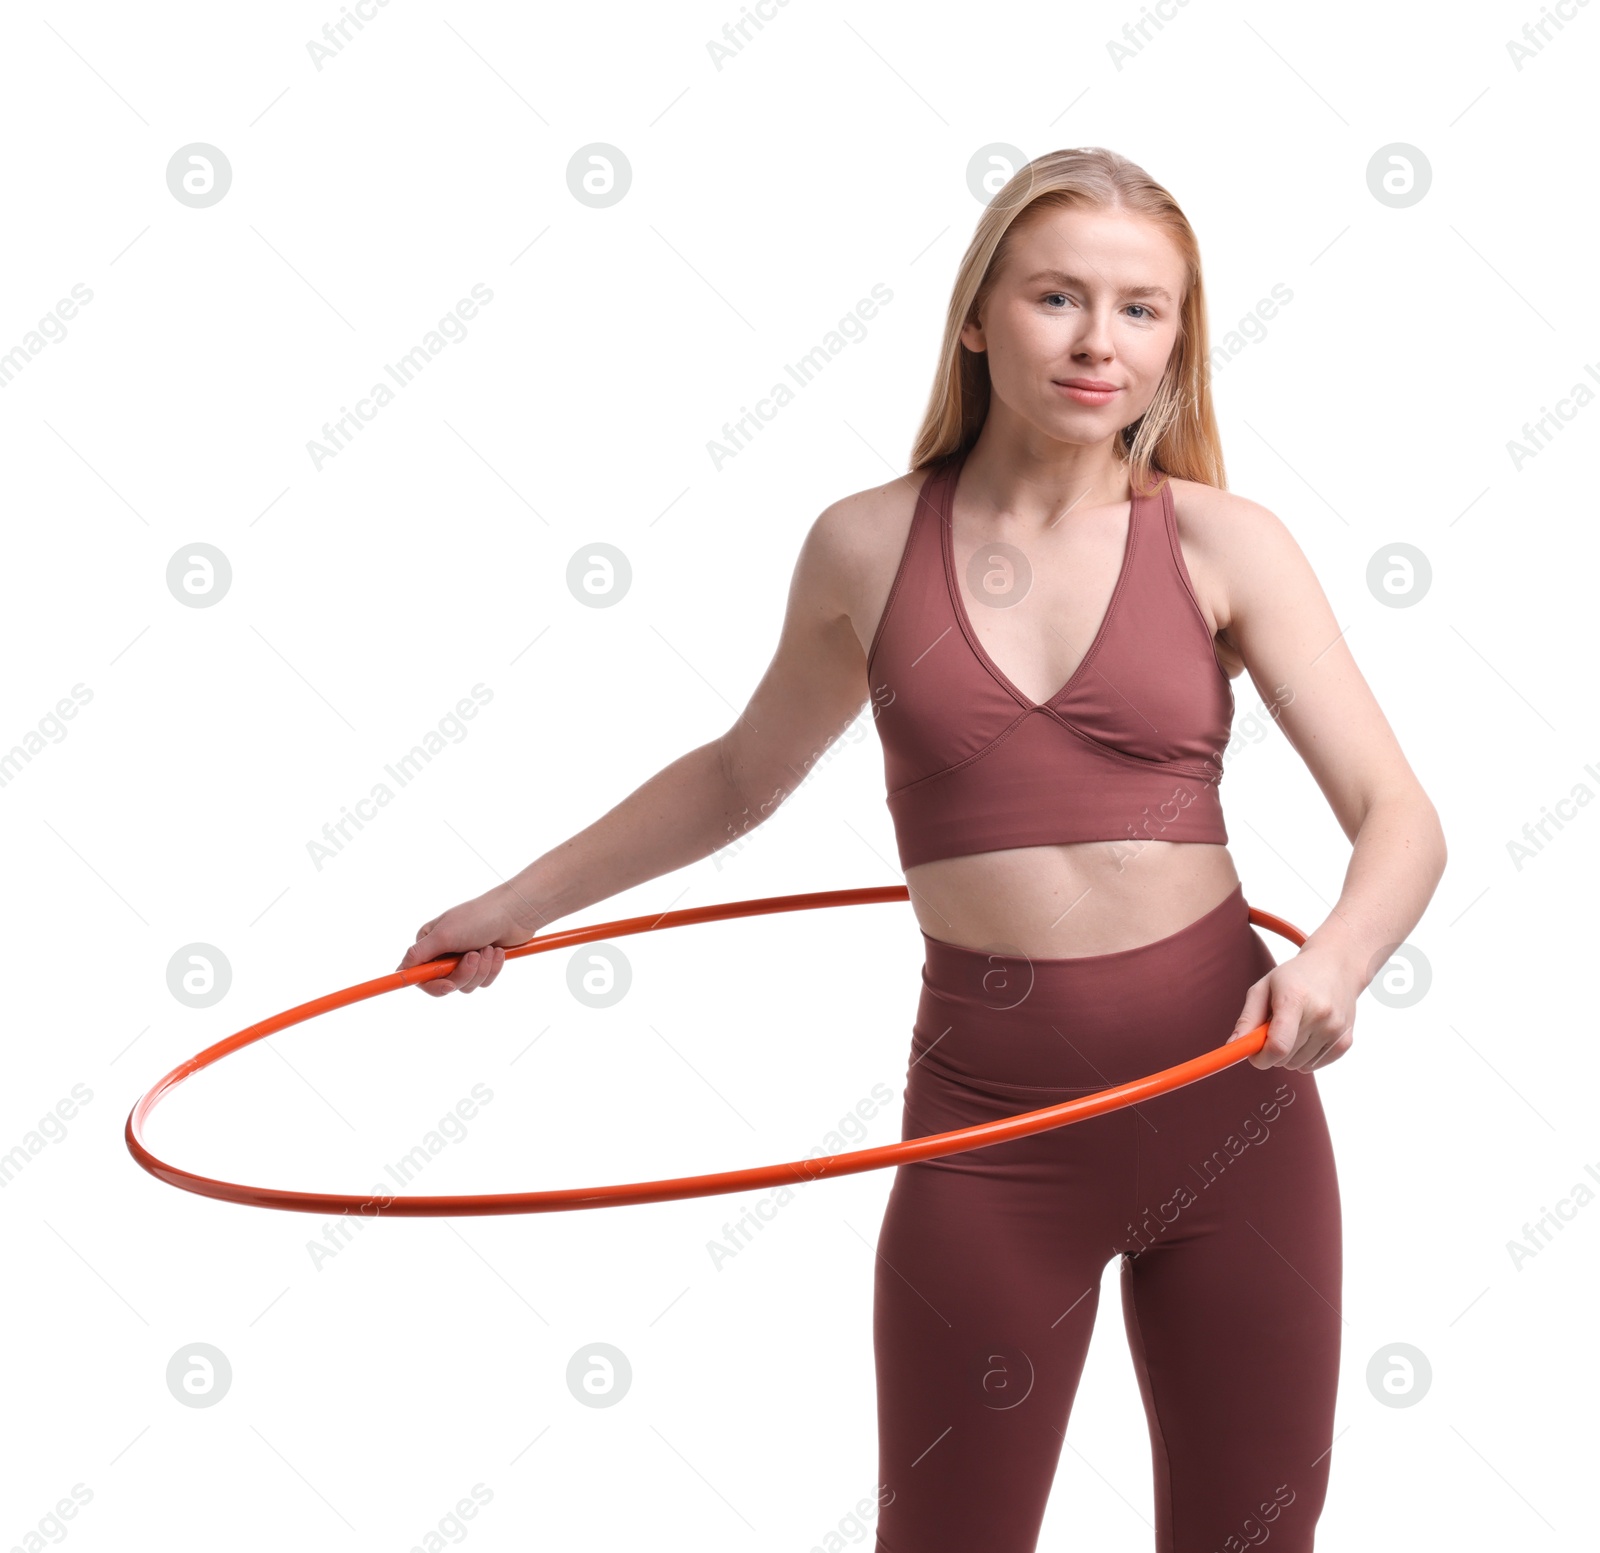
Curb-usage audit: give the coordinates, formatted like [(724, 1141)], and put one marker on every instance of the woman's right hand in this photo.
[(480, 930)]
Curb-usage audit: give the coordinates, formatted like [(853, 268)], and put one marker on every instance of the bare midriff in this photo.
[(1080, 898)]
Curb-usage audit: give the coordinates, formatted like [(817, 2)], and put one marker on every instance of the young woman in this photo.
[(1046, 614)]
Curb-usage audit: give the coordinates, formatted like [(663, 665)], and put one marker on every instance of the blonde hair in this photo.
[(1178, 434)]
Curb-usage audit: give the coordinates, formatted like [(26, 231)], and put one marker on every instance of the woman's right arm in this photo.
[(813, 689)]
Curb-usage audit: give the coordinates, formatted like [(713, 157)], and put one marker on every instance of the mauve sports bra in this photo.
[(1129, 749)]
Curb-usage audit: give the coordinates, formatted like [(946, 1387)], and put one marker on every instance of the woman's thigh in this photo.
[(1231, 1299), (985, 1291)]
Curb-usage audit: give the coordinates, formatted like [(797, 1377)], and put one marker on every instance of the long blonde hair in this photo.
[(1178, 434)]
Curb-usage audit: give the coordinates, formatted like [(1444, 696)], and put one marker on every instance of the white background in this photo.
[(768, 197)]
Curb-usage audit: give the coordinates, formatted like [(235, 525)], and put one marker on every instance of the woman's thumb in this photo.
[(1257, 1006), (424, 949)]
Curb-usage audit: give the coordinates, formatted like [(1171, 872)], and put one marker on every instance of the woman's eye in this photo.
[(1144, 313)]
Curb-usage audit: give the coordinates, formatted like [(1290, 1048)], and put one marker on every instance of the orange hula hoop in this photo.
[(792, 1173)]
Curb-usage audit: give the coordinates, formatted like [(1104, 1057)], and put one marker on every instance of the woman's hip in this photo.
[(1001, 1022), (999, 1035)]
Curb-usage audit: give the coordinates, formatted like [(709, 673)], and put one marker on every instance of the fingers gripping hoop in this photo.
[(794, 1173)]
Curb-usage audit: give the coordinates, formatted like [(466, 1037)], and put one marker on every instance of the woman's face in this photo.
[(1083, 295)]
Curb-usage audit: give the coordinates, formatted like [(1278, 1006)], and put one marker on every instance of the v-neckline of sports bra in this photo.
[(947, 504)]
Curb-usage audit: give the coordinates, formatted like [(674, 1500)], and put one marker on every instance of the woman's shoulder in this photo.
[(865, 531), (1207, 506), (1222, 523), (1232, 545), (861, 538), (869, 516)]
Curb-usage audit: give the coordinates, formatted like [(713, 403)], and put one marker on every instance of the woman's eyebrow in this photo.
[(1062, 278)]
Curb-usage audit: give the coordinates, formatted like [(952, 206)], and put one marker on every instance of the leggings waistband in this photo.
[(1086, 1020)]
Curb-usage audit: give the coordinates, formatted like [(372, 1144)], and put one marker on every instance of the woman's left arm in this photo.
[(1279, 620)]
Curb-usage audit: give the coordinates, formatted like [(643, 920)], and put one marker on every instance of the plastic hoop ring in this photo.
[(793, 1173)]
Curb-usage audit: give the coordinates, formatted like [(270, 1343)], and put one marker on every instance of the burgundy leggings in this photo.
[(1220, 1199)]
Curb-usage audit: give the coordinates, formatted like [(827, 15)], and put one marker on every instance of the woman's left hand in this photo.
[(1311, 1002)]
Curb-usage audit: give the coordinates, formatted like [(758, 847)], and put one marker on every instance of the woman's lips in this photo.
[(1084, 395)]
